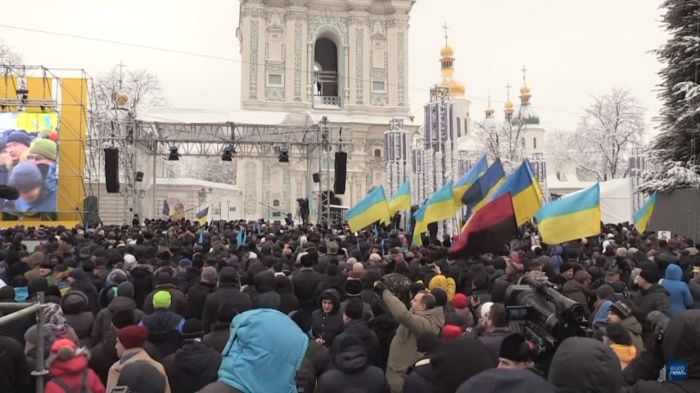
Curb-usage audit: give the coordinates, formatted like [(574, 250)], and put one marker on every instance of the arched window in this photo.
[(276, 203), (459, 127), (534, 143), (377, 153)]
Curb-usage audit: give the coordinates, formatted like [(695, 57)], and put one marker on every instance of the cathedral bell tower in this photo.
[(349, 55)]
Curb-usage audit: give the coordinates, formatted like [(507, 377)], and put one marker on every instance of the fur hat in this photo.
[(353, 287), (64, 349)]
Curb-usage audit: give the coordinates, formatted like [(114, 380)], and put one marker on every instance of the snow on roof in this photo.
[(190, 182), (349, 118), (471, 144), (206, 116)]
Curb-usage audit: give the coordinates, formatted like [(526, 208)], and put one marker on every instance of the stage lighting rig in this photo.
[(229, 153), (284, 154), (174, 154)]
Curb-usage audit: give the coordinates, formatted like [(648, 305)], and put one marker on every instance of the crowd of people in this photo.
[(165, 306), (28, 163)]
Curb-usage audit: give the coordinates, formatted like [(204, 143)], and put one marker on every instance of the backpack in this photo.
[(83, 385)]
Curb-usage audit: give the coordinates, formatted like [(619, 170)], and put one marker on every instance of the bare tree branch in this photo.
[(8, 55)]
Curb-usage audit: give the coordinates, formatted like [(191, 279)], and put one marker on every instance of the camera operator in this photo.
[(678, 347), (492, 329)]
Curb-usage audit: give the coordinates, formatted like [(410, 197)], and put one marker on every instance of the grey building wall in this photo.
[(679, 212)]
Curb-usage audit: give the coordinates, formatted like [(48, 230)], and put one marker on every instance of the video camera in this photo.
[(546, 316)]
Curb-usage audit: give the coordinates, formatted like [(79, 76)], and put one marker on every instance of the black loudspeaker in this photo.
[(316, 178), (112, 170), (341, 170)]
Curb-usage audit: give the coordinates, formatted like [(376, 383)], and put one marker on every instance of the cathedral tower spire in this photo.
[(447, 65)]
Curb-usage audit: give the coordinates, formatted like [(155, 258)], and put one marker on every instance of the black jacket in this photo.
[(327, 326), (178, 303), (352, 370), (217, 338), (384, 326), (192, 367), (370, 341), (196, 297), (419, 378), (142, 280), (648, 300), (226, 294), (163, 327), (142, 378), (85, 286), (14, 371), (681, 342), (316, 362)]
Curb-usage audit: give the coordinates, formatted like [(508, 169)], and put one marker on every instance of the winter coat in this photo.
[(197, 297), (75, 310), (370, 341), (217, 338), (419, 378), (317, 361), (352, 371), (694, 286), (455, 361), (402, 352), (75, 374), (327, 326), (225, 294), (648, 300), (103, 322), (580, 293), (104, 355), (582, 365), (272, 363), (384, 326), (492, 341), (219, 387), (85, 286), (142, 280), (634, 329), (14, 370), (178, 304), (366, 308), (164, 329), (132, 356), (600, 314), (192, 367), (141, 377), (681, 342), (498, 380), (680, 297)]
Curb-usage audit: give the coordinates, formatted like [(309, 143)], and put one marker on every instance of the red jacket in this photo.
[(72, 372)]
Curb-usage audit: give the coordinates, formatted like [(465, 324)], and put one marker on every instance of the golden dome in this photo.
[(447, 51), (524, 90), (509, 106)]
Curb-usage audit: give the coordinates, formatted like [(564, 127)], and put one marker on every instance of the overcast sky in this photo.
[(572, 49)]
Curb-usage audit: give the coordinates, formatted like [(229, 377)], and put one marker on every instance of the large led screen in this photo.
[(29, 162)]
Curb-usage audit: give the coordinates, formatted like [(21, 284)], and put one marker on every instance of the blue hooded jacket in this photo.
[(264, 352), (680, 296), (556, 260)]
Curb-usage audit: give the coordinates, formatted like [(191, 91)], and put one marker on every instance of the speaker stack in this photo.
[(112, 170), (341, 170)]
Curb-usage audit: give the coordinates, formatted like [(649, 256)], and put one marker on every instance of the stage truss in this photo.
[(311, 142)]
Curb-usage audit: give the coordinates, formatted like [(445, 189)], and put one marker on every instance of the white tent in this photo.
[(615, 200)]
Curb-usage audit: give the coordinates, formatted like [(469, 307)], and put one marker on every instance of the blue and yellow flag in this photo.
[(203, 216), (463, 183), (242, 237), (421, 225), (570, 218), (480, 192), (525, 191), (374, 207), (440, 206), (643, 215), (401, 200)]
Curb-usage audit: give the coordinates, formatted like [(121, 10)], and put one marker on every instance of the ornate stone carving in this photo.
[(359, 144), (401, 74), (251, 188), (379, 99), (359, 63), (319, 23), (274, 94), (254, 27), (297, 60)]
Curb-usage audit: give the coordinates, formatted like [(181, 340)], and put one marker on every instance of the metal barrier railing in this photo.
[(26, 309)]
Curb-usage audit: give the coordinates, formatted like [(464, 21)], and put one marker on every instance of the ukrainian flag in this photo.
[(401, 200), (643, 215), (440, 206), (525, 190), (571, 218), (421, 225), (372, 208), (480, 192), (463, 183), (203, 216)]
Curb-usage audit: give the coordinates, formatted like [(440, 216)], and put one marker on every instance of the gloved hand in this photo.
[(379, 288)]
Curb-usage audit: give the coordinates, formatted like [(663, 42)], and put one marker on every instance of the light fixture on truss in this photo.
[(284, 154), (174, 154), (229, 153)]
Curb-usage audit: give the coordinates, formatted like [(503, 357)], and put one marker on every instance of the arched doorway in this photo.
[(326, 72)]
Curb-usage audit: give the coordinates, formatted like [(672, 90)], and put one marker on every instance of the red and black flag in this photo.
[(489, 229)]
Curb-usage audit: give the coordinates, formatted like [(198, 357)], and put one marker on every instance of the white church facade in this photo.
[(345, 61)]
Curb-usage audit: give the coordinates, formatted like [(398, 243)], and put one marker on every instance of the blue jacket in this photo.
[(556, 259), (264, 352), (602, 314), (680, 296)]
